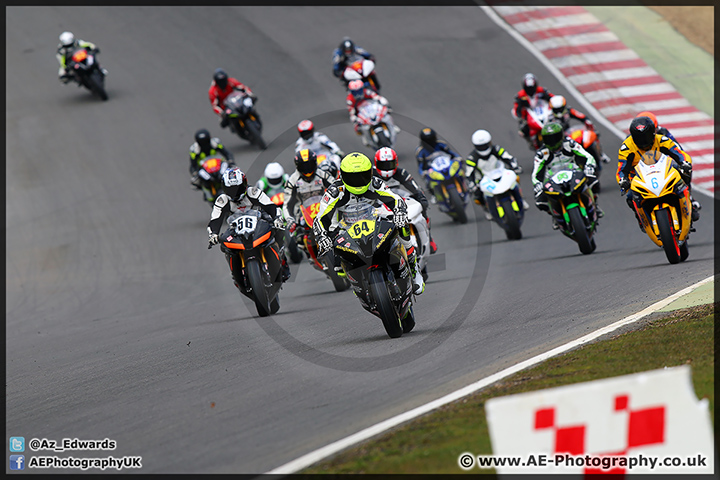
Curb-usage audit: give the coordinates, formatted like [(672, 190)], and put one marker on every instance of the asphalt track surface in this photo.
[(122, 325)]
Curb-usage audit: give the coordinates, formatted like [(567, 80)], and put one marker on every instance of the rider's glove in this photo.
[(279, 222), (589, 171), (400, 218), (324, 244), (537, 188), (291, 226), (224, 121), (213, 239), (624, 186)]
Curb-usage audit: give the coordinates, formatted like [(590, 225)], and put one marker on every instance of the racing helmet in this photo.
[(274, 172), (552, 135), (306, 129), (357, 89), (529, 84), (330, 167), (650, 115), (482, 141), (67, 39), (221, 78), (306, 162), (428, 137), (642, 131), (235, 183), (386, 162), (558, 105), (356, 173), (202, 137), (347, 46)]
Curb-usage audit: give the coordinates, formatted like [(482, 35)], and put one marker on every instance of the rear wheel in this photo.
[(255, 278), (388, 315), (580, 231), (667, 235), (512, 223), (457, 205)]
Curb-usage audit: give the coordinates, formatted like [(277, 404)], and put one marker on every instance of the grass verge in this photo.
[(433, 442)]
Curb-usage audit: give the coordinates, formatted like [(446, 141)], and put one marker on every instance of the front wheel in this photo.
[(260, 295), (457, 206), (254, 134), (512, 223), (667, 235), (96, 84), (388, 315), (580, 234), (383, 140)]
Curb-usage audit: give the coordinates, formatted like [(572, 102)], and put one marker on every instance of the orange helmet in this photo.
[(650, 115)]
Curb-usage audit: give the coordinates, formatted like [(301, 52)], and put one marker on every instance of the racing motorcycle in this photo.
[(309, 209), (418, 224), (254, 257), (376, 264), (504, 200), (210, 177), (571, 202), (87, 72), (662, 201), (447, 182), (360, 68), (537, 116), (376, 124), (244, 121), (590, 141), (296, 256)]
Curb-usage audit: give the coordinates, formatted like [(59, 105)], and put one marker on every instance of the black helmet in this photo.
[(202, 137), (221, 78), (347, 46), (428, 137), (235, 183), (552, 135), (642, 130), (529, 84), (306, 129), (306, 162)]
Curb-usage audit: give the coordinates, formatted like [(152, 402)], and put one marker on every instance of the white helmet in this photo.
[(67, 39), (482, 139), (274, 173), (558, 104)]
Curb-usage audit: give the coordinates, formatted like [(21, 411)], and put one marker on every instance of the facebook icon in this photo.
[(17, 462)]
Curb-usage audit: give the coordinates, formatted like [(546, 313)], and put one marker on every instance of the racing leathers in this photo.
[(629, 155), (197, 155), (299, 188), (65, 52), (254, 199), (337, 198), (478, 165), (218, 95), (569, 149), (523, 101)]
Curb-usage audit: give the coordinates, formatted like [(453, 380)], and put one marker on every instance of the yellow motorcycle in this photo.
[(662, 202)]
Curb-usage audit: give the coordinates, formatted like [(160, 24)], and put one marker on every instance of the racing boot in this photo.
[(285, 270), (433, 246), (417, 281)]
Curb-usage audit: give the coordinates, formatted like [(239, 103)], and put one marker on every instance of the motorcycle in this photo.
[(251, 240), (504, 200), (537, 116), (419, 229), (446, 180), (87, 72), (571, 203), (210, 177), (662, 201), (360, 68), (296, 256), (310, 208), (376, 264), (590, 141), (376, 124), (244, 120)]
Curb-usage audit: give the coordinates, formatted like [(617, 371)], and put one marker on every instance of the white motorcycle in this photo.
[(376, 124), (359, 68), (504, 200)]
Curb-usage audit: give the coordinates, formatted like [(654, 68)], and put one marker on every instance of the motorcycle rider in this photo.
[(643, 138), (68, 44), (659, 129), (387, 168), (358, 93), (527, 97), (563, 114), (205, 146), (238, 196), (221, 86), (306, 181), (486, 157), (428, 145), (315, 141), (273, 180), (556, 143), (345, 52), (357, 184)]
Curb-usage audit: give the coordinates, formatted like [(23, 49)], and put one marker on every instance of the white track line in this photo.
[(335, 447)]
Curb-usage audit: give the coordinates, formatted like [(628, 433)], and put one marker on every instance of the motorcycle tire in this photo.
[(388, 315), (383, 140), (340, 283), (95, 83), (408, 321), (667, 235), (580, 234), (254, 136), (457, 206), (512, 223), (260, 295)]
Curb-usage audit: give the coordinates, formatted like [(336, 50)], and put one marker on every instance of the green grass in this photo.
[(433, 442)]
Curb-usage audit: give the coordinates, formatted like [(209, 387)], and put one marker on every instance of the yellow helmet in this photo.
[(356, 173)]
